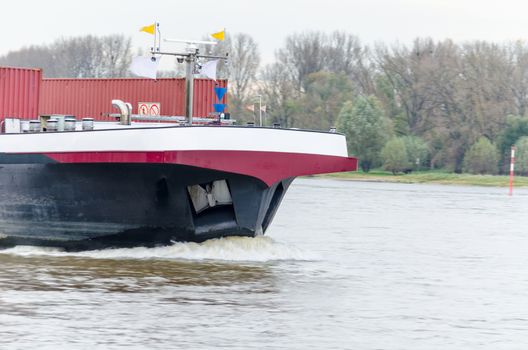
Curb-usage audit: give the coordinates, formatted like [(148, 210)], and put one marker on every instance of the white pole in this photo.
[(155, 47), (260, 109)]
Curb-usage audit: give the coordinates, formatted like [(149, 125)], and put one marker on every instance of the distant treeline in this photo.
[(81, 57), (432, 104)]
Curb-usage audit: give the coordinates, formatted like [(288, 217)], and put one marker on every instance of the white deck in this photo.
[(144, 137)]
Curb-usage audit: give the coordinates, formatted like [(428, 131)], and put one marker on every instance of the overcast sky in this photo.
[(268, 22)]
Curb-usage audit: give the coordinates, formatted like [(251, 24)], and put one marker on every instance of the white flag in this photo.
[(209, 69), (144, 66)]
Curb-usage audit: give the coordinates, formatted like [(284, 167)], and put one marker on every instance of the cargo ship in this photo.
[(114, 185), (145, 181)]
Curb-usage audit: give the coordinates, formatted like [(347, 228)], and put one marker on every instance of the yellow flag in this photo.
[(151, 29), (220, 35)]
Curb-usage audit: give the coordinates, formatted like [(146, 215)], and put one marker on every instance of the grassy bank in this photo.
[(435, 177)]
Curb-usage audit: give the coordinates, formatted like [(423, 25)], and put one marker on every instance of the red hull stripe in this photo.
[(269, 167)]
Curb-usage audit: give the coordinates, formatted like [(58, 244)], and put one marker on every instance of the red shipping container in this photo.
[(93, 97), (19, 92)]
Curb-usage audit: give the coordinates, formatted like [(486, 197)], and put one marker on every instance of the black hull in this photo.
[(92, 206)]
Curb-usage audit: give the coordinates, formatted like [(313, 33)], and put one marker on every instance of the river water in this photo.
[(345, 265)]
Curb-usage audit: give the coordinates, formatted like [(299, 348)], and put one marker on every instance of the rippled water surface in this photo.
[(346, 265)]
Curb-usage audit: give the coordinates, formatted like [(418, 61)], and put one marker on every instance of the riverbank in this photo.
[(435, 177)]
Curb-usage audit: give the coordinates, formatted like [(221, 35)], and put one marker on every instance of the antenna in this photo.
[(190, 57)]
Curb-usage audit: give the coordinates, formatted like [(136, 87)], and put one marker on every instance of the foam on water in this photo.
[(259, 249)]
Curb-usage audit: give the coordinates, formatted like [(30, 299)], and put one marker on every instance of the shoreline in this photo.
[(431, 177)]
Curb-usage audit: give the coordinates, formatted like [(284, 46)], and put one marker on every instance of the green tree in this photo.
[(481, 158), (391, 104), (516, 127), (417, 151), (325, 95), (366, 129), (521, 155), (394, 155)]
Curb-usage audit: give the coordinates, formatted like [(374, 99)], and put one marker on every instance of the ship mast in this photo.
[(190, 57)]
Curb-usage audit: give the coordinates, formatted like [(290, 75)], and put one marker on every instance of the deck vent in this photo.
[(24, 126), (52, 125), (87, 124), (69, 124), (34, 126)]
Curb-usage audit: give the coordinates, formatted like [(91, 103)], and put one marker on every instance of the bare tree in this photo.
[(32, 57), (518, 55), (244, 61), (302, 55), (116, 55), (424, 86), (94, 57), (346, 55), (487, 71), (79, 57), (279, 94)]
